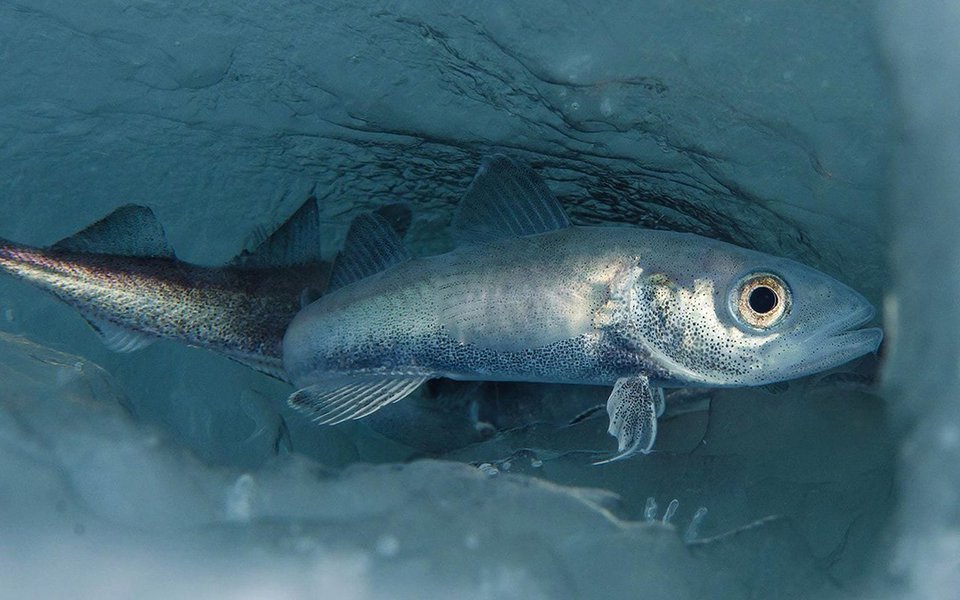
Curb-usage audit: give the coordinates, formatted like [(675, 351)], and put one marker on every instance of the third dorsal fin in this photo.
[(131, 230), (506, 199), (371, 246), (296, 242)]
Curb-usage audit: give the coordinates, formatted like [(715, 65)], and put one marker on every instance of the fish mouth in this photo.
[(847, 325), (842, 341)]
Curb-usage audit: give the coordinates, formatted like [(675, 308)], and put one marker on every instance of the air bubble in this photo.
[(693, 530), (671, 510), (387, 546), (650, 510), (239, 500), (489, 470)]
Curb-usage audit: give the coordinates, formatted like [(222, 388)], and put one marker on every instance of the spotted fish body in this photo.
[(527, 297), (122, 276), (499, 313), (523, 297)]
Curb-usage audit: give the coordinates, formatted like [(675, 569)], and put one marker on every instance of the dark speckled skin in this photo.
[(578, 305), (239, 312)]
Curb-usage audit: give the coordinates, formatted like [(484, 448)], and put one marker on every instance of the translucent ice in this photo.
[(922, 372)]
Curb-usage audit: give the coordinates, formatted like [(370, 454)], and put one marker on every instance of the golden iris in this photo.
[(763, 300)]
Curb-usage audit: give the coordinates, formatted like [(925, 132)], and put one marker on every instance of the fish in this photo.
[(526, 296), (122, 275)]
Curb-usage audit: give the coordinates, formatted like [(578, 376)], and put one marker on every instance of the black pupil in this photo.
[(763, 300)]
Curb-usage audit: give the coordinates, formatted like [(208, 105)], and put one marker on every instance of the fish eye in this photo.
[(762, 300)]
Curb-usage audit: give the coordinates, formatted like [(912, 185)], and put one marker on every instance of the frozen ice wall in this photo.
[(922, 374), (771, 125)]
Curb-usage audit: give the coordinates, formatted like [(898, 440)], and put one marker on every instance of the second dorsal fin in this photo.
[(296, 242), (131, 230), (506, 199), (371, 246)]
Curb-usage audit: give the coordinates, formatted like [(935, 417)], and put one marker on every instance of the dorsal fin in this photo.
[(506, 199), (130, 230), (398, 216), (371, 246), (296, 242)]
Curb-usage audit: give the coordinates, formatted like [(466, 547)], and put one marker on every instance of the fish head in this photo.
[(715, 314)]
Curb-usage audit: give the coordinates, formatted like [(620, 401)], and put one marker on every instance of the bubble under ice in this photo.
[(768, 127)]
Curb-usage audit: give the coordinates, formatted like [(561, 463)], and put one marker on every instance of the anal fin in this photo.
[(118, 338), (345, 398), (633, 408)]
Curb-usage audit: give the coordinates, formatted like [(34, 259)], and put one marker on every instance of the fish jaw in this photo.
[(833, 345)]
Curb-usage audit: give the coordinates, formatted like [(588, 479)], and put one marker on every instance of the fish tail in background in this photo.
[(123, 277), (83, 260), (130, 231), (72, 282), (22, 262), (8, 257)]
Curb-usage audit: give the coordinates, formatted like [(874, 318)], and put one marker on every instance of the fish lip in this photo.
[(847, 325), (843, 326), (839, 343), (851, 341), (843, 341)]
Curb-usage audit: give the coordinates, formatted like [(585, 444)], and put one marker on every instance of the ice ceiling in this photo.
[(708, 120)]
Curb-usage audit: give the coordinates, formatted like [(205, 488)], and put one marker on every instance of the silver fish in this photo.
[(527, 297), (124, 278)]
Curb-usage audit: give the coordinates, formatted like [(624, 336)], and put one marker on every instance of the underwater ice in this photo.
[(116, 508), (172, 471)]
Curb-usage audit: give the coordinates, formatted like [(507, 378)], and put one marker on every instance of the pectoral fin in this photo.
[(633, 407), (344, 398), (513, 320)]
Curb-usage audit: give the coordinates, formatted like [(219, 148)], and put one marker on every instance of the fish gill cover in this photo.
[(768, 125)]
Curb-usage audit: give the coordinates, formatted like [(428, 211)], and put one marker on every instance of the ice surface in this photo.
[(112, 508), (173, 471), (922, 373)]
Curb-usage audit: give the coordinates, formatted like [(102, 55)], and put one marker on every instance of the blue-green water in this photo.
[(821, 132)]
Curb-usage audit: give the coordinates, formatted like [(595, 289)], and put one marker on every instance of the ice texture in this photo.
[(923, 371), (113, 508), (818, 130)]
